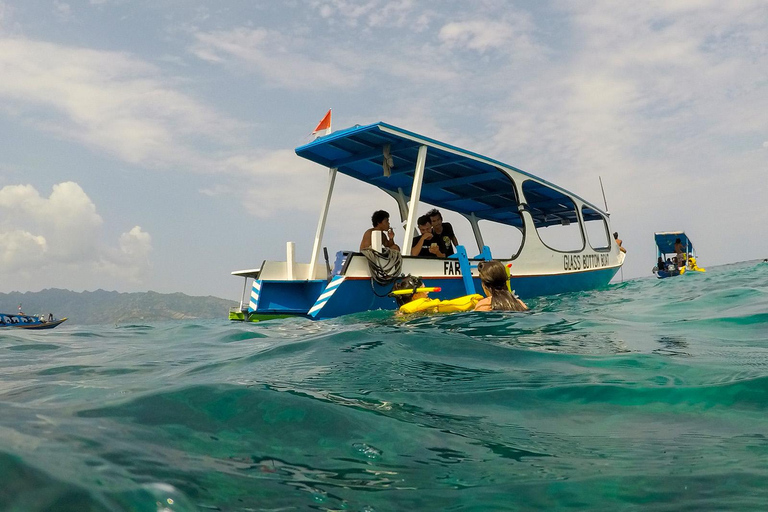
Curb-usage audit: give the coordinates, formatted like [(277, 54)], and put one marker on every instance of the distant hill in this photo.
[(103, 307)]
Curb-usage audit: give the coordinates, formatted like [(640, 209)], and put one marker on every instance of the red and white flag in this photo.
[(324, 125)]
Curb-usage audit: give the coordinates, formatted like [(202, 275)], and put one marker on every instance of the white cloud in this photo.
[(486, 35), (277, 56), (375, 13), (110, 101), (62, 10), (20, 249), (641, 76), (61, 237), (131, 259), (272, 182)]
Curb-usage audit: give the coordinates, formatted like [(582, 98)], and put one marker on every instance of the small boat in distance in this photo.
[(681, 259), (23, 321)]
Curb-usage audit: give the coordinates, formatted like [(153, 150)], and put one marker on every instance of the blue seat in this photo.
[(338, 264)]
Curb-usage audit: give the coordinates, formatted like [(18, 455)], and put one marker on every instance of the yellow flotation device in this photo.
[(465, 303), (692, 265)]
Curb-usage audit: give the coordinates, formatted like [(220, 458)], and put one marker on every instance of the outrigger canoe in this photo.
[(28, 322), (490, 195)]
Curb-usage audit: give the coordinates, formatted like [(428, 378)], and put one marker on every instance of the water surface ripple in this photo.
[(647, 395)]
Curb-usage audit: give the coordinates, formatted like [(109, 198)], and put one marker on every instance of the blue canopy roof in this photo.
[(666, 241), (454, 179)]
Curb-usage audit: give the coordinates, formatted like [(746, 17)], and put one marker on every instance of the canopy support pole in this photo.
[(476, 231), (321, 223), (245, 289), (402, 204), (413, 206)]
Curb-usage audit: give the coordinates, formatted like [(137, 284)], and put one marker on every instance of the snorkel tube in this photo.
[(416, 290)]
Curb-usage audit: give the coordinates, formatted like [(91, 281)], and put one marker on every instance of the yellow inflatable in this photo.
[(692, 265), (465, 303)]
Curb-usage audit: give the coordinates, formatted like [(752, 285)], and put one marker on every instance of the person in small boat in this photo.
[(660, 265), (494, 278), (679, 256), (618, 241), (427, 245), (380, 221), (443, 230)]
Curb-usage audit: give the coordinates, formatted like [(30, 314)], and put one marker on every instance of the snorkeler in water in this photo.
[(413, 297), (498, 297)]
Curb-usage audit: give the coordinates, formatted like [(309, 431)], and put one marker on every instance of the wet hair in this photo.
[(378, 217), (406, 283), (434, 212), (677, 241), (493, 275), (615, 234), (424, 219)]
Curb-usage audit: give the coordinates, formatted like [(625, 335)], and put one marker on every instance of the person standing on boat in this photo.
[(380, 221), (618, 241), (680, 259), (443, 230), (427, 245), (494, 278)]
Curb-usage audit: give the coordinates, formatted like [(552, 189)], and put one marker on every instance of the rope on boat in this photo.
[(385, 266)]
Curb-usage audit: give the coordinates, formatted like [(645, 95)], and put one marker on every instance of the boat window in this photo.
[(596, 228), (505, 241), (554, 216)]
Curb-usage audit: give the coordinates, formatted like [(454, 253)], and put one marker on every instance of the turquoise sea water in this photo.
[(648, 395)]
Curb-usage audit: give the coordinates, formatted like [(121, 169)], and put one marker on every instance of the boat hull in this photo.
[(35, 324), (345, 295)]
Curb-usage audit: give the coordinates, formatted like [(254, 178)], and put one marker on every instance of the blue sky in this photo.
[(149, 145)]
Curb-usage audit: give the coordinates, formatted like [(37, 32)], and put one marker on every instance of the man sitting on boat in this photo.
[(427, 245), (618, 241), (380, 221), (443, 230)]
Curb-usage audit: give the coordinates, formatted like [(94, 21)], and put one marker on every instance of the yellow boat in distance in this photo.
[(666, 264)]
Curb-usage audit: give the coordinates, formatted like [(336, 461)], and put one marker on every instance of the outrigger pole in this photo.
[(321, 223), (413, 206)]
